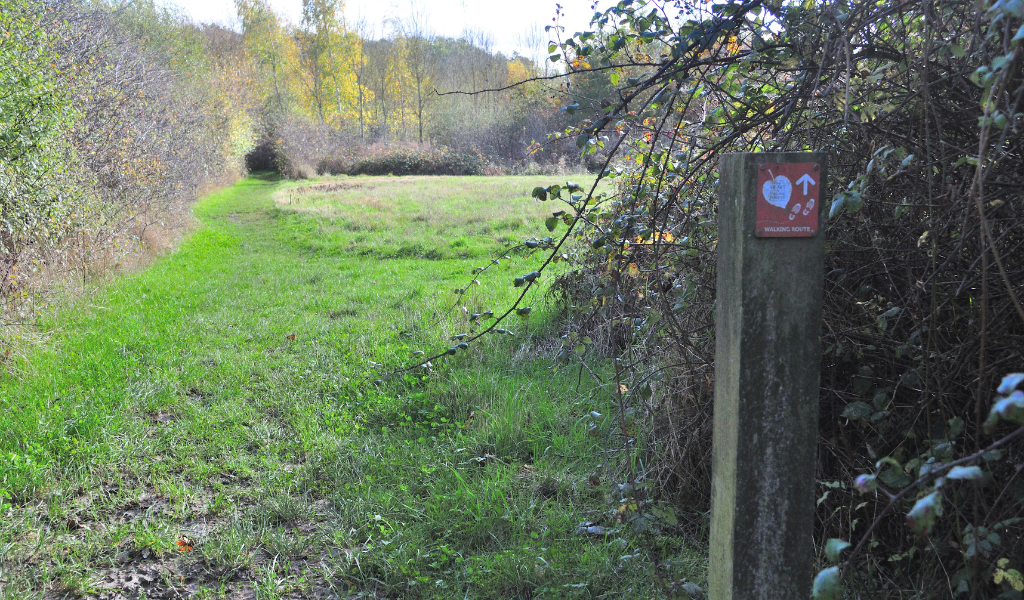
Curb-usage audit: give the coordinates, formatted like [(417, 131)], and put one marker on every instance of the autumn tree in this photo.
[(327, 51), (421, 64), (269, 43)]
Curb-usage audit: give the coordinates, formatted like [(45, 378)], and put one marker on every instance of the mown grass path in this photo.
[(204, 429)]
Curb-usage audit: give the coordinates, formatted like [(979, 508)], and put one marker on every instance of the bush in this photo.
[(264, 157), (406, 161), (299, 145)]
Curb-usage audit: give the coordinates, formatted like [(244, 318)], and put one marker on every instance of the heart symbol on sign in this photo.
[(778, 190)]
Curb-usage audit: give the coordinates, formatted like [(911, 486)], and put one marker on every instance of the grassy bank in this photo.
[(205, 427)]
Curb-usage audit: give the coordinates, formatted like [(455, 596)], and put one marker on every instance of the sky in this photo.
[(507, 23)]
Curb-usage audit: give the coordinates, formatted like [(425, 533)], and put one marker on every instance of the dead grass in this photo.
[(472, 204)]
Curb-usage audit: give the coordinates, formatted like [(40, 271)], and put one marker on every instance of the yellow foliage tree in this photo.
[(267, 39), (328, 54)]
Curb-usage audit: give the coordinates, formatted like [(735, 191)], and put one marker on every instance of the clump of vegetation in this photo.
[(408, 161), (113, 123)]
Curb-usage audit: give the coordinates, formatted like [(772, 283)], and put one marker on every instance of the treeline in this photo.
[(114, 116), (329, 92)]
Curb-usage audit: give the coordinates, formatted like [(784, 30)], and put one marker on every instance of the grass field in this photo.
[(205, 428)]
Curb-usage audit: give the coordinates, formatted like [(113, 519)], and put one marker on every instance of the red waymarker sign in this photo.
[(787, 200)]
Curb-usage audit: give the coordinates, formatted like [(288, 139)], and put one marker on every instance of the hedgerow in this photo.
[(110, 124), (407, 161)]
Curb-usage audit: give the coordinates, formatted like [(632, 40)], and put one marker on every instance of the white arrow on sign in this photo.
[(806, 179)]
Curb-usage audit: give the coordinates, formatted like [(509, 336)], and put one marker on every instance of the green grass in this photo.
[(222, 395)]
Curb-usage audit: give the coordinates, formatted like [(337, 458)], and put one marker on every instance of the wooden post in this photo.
[(771, 253)]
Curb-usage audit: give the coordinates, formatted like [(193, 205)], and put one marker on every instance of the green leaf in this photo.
[(691, 591), (1010, 383), (972, 473), (540, 193), (614, 78), (1011, 8), (1001, 61), (1011, 408), (834, 547), (861, 385), (856, 411), (892, 312), (1019, 37), (524, 312), (921, 518), (668, 515), (837, 206), (853, 201), (827, 585), (895, 478), (956, 427), (551, 223), (992, 455), (866, 483)]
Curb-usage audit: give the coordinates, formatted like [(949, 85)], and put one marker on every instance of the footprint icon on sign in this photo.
[(810, 205), (796, 209)]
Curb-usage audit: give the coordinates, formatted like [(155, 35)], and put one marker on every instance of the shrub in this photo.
[(264, 157), (300, 145), (405, 161)]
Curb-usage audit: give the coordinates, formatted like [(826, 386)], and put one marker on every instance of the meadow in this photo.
[(209, 427)]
